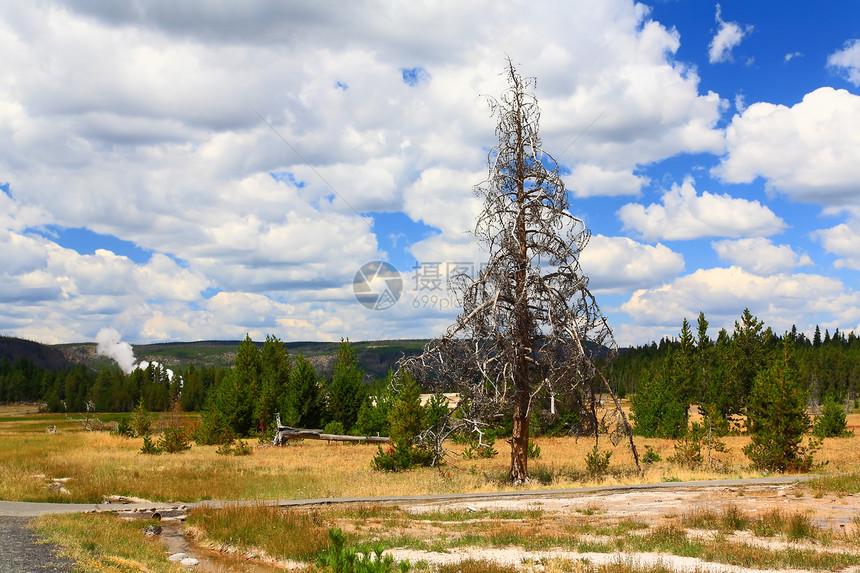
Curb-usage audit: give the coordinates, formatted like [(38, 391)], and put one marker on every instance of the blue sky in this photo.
[(207, 172)]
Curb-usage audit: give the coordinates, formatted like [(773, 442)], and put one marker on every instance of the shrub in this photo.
[(832, 421), (174, 440), (124, 427), (334, 427), (213, 429), (149, 447), (482, 447), (596, 462), (533, 452), (141, 420), (235, 448), (650, 456), (392, 459), (688, 449), (406, 420), (341, 559)]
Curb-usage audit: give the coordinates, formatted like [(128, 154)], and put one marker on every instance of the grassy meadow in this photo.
[(95, 465), (74, 465)]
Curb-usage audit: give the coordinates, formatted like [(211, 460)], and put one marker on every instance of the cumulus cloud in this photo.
[(842, 240), (684, 214), (162, 147), (781, 300), (760, 256), (729, 35), (589, 180), (616, 264), (846, 62), (810, 151)]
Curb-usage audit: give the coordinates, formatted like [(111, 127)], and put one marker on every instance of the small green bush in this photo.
[(341, 559), (597, 462), (141, 420), (235, 448), (650, 456), (832, 422), (334, 427), (533, 452), (174, 440), (149, 447), (124, 427), (400, 457), (688, 448)]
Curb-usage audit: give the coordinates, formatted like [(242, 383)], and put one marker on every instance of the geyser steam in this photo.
[(110, 344)]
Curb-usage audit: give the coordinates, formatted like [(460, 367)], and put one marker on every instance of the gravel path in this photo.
[(20, 552)]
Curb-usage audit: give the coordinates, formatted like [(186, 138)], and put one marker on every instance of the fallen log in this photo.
[(286, 433)]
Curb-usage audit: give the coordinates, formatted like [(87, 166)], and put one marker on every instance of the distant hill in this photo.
[(42, 355), (377, 357)]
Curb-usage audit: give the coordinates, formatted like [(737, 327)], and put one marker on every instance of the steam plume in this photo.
[(110, 344)]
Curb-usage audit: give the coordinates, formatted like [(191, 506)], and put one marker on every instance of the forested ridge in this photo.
[(662, 378)]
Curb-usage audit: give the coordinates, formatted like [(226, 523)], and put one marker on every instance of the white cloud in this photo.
[(810, 151), (760, 256), (589, 180), (684, 214), (780, 300), (791, 55), (616, 264), (140, 121), (847, 61), (729, 35), (842, 240)]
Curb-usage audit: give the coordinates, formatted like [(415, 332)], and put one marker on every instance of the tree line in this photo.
[(751, 380), (700, 370), (264, 382)]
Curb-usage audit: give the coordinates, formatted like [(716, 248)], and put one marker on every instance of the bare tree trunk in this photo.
[(520, 439)]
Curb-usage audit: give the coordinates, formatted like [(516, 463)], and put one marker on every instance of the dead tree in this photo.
[(286, 433), (529, 325)]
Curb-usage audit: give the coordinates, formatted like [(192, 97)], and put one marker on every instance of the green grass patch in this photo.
[(772, 523), (453, 515), (848, 484), (476, 566), (284, 534), (102, 543)]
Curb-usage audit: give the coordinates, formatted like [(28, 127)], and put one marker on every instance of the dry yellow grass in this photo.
[(99, 464)]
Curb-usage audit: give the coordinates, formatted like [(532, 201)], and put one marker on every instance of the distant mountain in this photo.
[(377, 357)]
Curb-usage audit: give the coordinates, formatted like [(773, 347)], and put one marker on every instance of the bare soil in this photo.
[(660, 507)]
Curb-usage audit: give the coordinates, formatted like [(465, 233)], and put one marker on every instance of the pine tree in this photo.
[(658, 408), (303, 403), (748, 356), (275, 369), (234, 401), (777, 418), (345, 392), (406, 418), (686, 373), (832, 422)]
